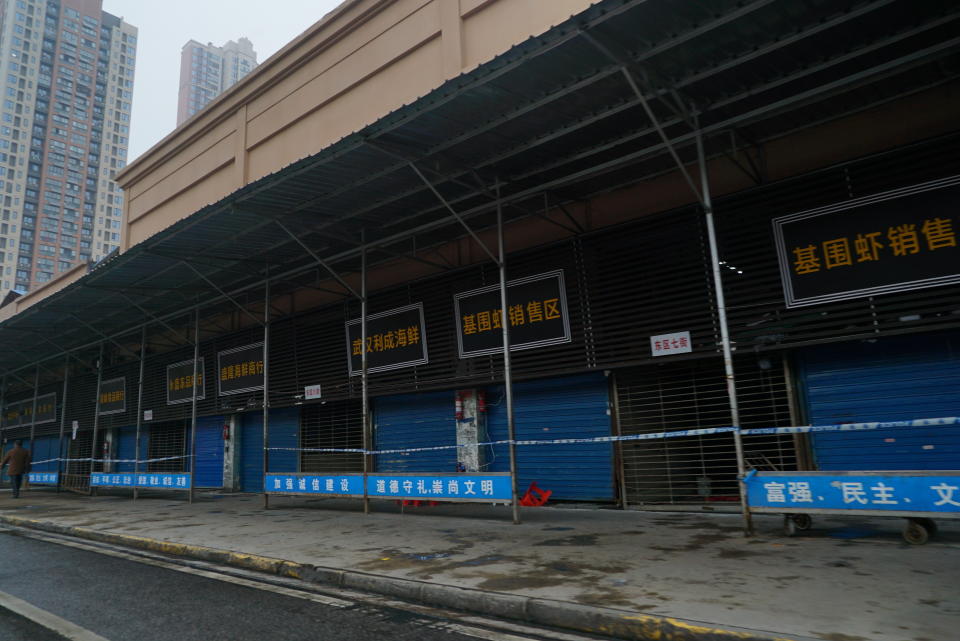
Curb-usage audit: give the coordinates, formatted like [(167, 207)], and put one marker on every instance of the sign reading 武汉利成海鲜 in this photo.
[(180, 382), (239, 370), (395, 338), (896, 241), (112, 398), (536, 312)]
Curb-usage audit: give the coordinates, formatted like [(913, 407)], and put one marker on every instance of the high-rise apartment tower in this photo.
[(67, 68), (207, 71)]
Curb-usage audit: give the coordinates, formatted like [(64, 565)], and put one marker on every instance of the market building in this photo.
[(696, 217)]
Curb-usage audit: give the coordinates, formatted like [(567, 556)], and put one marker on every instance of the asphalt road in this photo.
[(121, 599)]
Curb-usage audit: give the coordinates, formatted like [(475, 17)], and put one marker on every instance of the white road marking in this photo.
[(48, 620), (461, 625)]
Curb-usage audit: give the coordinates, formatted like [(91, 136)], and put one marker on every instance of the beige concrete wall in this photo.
[(362, 61)]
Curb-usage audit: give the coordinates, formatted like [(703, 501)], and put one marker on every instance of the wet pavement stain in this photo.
[(736, 554), (578, 539), (839, 636)]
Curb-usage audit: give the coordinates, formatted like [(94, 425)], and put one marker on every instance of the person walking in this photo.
[(19, 460)]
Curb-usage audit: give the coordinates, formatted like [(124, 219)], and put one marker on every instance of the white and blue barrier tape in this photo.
[(108, 460), (839, 427), (853, 427)]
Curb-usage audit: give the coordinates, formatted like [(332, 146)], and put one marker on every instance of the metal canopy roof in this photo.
[(561, 116)]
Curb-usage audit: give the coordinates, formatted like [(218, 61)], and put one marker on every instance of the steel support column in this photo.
[(96, 415), (707, 203), (33, 412), (63, 423), (136, 439), (364, 374), (266, 390), (507, 371), (193, 404), (3, 407)]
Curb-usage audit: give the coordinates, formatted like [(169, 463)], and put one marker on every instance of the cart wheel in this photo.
[(929, 524), (915, 532), (789, 525), (803, 521)]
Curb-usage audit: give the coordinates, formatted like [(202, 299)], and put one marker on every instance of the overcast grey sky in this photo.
[(166, 26)]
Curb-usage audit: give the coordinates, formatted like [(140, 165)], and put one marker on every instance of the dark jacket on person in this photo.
[(19, 460)]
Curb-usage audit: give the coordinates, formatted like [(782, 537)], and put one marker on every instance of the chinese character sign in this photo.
[(887, 243), (20, 413), (395, 339), (667, 344), (180, 382), (239, 370), (154, 480), (888, 492), (537, 315), (43, 478), (319, 484), (112, 398)]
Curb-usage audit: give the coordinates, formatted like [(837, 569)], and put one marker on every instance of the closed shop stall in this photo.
[(334, 425), (560, 408), (885, 379), (44, 448), (410, 421), (284, 433), (168, 446), (692, 394), (126, 448), (209, 472)]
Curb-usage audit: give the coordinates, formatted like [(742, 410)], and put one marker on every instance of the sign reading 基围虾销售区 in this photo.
[(895, 241)]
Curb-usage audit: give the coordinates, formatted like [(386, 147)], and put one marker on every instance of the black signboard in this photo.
[(895, 241), (180, 382), (46, 408), (240, 370), (536, 309), (113, 396), (394, 339), (12, 415)]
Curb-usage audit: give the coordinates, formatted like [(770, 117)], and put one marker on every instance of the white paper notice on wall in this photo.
[(311, 392), (148, 415), (667, 344), (76, 426)]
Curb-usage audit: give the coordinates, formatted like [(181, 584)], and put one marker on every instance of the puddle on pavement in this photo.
[(579, 539)]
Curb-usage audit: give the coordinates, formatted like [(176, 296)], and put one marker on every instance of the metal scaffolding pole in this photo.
[(136, 439), (33, 412), (63, 422), (364, 383), (3, 408), (193, 404), (266, 390), (707, 204), (507, 372), (96, 413)]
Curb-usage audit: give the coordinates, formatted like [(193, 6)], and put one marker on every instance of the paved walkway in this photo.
[(844, 580)]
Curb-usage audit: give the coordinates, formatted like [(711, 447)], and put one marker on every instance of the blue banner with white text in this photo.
[(42, 478), (887, 492), (489, 487), (156, 480)]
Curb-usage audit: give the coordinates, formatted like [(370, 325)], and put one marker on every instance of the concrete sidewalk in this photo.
[(844, 580)]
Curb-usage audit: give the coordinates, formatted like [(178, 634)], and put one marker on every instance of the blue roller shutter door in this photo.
[(570, 407), (44, 448), (126, 447), (412, 421), (284, 432), (209, 452), (889, 379)]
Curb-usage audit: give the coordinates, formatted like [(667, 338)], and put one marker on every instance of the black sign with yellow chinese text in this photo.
[(394, 339), (240, 369), (113, 396), (46, 409), (895, 241), (13, 415), (180, 382), (537, 312)]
